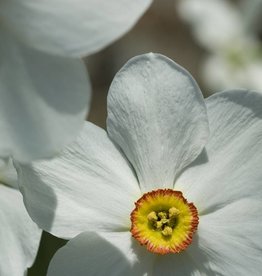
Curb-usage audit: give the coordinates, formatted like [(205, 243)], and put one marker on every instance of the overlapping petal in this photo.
[(230, 167), (89, 187), (43, 101), (67, 27), (104, 254), (156, 113), (19, 236)]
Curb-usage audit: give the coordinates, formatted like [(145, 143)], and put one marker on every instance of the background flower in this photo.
[(230, 34)]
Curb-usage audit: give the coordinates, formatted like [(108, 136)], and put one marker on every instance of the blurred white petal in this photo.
[(44, 100), (220, 73), (226, 30), (215, 23)]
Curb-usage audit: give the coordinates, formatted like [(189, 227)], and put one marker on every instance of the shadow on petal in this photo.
[(90, 254), (41, 211), (200, 259), (192, 261), (200, 160)]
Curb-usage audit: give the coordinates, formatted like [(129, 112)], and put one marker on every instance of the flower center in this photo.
[(164, 221)]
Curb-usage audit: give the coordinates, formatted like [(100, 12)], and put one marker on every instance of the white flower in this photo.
[(44, 95), (228, 33), (19, 235), (215, 23), (158, 145)]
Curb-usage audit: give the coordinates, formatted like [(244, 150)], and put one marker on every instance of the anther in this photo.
[(167, 231), (162, 215), (173, 212), (152, 217)]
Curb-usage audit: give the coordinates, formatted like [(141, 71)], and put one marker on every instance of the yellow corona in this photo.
[(164, 221)]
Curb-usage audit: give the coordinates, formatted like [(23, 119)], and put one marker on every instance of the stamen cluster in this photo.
[(164, 221)]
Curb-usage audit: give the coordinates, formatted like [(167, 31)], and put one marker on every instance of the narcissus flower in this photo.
[(231, 36), (44, 92), (158, 194), (19, 235)]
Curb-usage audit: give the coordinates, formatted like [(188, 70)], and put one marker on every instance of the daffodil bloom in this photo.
[(44, 94), (19, 235), (172, 188), (226, 30)]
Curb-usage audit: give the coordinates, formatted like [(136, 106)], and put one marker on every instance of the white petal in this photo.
[(19, 236), (111, 254), (216, 23), (231, 238), (230, 168), (67, 27), (89, 187), (157, 115), (177, 264), (43, 101)]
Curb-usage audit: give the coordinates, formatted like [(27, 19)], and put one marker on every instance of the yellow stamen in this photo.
[(173, 212), (158, 225), (167, 231), (162, 215), (152, 216)]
